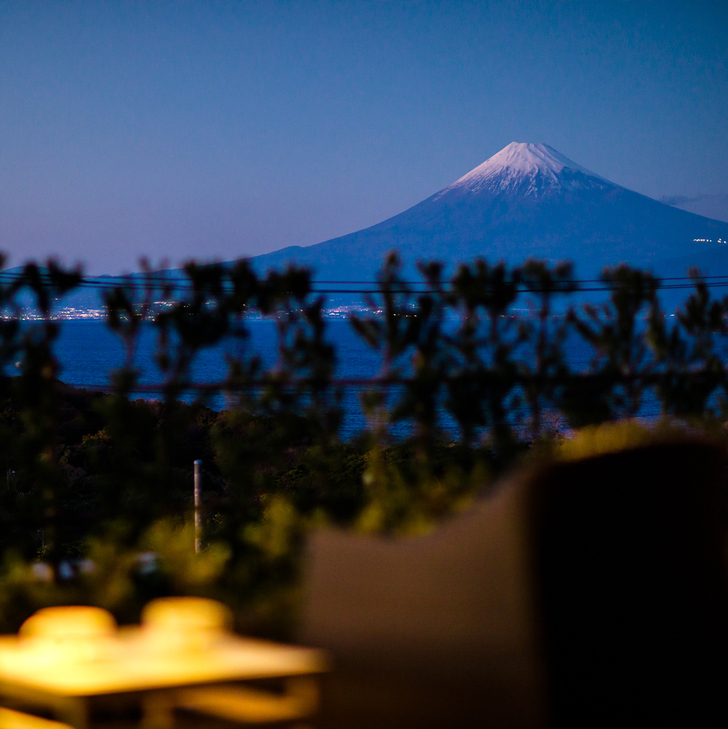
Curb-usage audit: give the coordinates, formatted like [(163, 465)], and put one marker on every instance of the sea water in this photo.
[(89, 352)]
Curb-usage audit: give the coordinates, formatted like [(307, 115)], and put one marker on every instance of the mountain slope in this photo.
[(528, 200)]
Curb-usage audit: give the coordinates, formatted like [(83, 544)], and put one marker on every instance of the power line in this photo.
[(175, 287), (518, 380), (142, 280)]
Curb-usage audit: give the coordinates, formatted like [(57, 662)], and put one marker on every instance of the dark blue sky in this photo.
[(217, 130)]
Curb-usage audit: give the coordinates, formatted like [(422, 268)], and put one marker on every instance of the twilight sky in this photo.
[(222, 129)]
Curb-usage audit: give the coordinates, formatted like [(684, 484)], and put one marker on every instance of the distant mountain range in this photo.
[(526, 201), (711, 206)]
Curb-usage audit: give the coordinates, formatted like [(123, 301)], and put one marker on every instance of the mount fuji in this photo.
[(526, 201)]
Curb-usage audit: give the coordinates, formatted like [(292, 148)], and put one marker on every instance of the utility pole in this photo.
[(198, 516)]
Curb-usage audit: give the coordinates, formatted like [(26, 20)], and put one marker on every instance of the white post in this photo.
[(198, 516)]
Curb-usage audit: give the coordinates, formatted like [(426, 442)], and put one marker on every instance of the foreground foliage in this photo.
[(97, 503)]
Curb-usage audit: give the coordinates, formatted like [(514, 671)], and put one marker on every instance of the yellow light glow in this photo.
[(184, 623), (70, 633)]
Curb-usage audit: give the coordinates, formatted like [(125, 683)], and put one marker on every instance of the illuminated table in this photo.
[(134, 664)]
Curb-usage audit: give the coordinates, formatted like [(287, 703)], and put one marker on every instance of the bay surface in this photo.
[(88, 352)]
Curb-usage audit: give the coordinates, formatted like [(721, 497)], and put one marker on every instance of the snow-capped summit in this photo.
[(527, 169)]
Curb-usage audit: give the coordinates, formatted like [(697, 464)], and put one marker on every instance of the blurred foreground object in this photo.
[(588, 590), (11, 719), (73, 663)]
